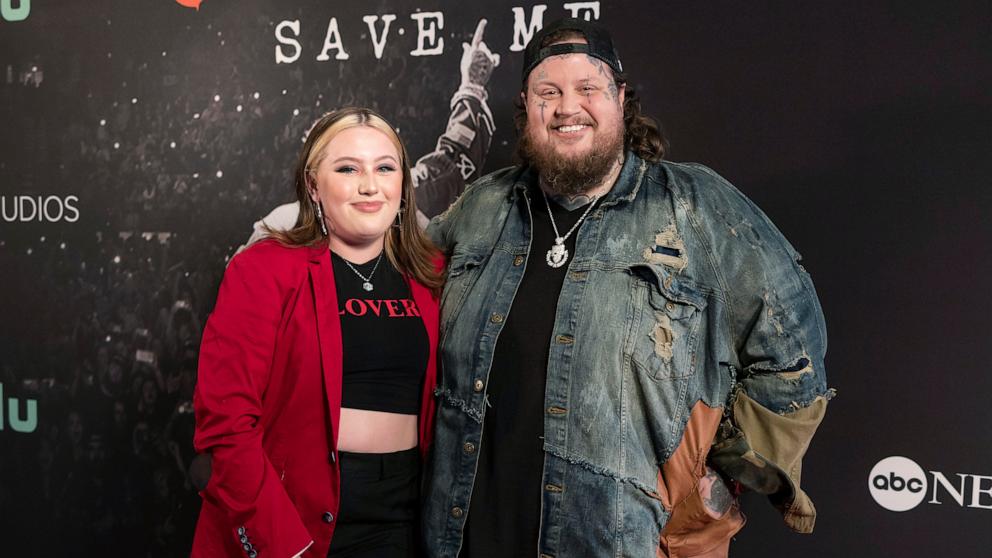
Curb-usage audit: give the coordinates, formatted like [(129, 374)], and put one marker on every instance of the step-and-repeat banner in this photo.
[(139, 141)]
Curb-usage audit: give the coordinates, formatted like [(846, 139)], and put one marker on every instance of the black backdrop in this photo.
[(862, 128)]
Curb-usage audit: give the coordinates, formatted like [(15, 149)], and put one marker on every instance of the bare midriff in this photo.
[(365, 431)]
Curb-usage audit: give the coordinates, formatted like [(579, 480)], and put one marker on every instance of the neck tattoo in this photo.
[(558, 254), (572, 203)]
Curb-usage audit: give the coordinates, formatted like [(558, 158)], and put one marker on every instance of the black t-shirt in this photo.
[(505, 512), (383, 337)]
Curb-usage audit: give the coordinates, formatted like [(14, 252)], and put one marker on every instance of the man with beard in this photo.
[(626, 342)]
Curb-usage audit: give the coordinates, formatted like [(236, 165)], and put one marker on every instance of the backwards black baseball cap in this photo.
[(598, 44)]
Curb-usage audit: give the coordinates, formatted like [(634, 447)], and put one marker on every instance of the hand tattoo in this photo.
[(717, 498)]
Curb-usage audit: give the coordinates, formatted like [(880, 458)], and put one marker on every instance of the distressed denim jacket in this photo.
[(686, 336)]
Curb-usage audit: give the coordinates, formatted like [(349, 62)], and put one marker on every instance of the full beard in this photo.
[(571, 176)]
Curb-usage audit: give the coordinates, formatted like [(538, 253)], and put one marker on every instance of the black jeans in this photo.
[(380, 506)]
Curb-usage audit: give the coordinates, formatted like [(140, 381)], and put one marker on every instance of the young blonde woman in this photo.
[(317, 366)]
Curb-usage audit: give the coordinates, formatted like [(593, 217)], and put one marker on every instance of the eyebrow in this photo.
[(357, 160), (589, 79)]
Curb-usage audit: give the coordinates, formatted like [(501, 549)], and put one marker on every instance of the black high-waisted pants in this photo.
[(380, 506)]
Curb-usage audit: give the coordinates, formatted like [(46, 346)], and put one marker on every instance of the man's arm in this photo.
[(780, 392)]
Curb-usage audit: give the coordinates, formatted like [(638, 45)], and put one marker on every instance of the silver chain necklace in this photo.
[(558, 254), (367, 285)]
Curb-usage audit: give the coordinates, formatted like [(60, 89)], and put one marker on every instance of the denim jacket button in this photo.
[(456, 512), (478, 385), (469, 447), (565, 339), (669, 306), (517, 261), (557, 410), (496, 318)]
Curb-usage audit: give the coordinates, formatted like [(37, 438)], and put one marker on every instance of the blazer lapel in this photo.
[(328, 333)]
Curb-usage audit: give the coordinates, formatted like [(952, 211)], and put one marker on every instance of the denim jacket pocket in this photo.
[(462, 272), (664, 334)]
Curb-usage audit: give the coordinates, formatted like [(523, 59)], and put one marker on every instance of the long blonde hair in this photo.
[(407, 247)]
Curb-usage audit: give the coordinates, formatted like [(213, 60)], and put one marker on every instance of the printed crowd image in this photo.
[(433, 279)]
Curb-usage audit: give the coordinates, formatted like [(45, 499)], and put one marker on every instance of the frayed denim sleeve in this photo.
[(777, 324), (779, 340)]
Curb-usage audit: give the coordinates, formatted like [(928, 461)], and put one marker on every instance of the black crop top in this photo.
[(383, 337)]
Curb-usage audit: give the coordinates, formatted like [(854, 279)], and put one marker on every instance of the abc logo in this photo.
[(897, 484)]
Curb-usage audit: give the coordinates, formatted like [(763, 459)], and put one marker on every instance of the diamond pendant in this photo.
[(558, 254), (367, 286)]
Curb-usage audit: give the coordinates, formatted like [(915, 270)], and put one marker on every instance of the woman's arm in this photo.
[(234, 367)]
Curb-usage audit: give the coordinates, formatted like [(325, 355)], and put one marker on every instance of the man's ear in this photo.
[(620, 93)]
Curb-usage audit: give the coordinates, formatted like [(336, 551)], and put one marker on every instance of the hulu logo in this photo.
[(17, 422), (9, 13)]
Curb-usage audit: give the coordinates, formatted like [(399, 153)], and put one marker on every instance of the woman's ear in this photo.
[(311, 187)]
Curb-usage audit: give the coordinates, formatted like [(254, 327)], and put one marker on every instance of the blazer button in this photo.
[(328, 517), (241, 530), (253, 553), (247, 547), (330, 457)]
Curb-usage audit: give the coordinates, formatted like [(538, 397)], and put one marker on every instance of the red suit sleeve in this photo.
[(235, 362)]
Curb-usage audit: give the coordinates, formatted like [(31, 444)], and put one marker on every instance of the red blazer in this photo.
[(268, 402)]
